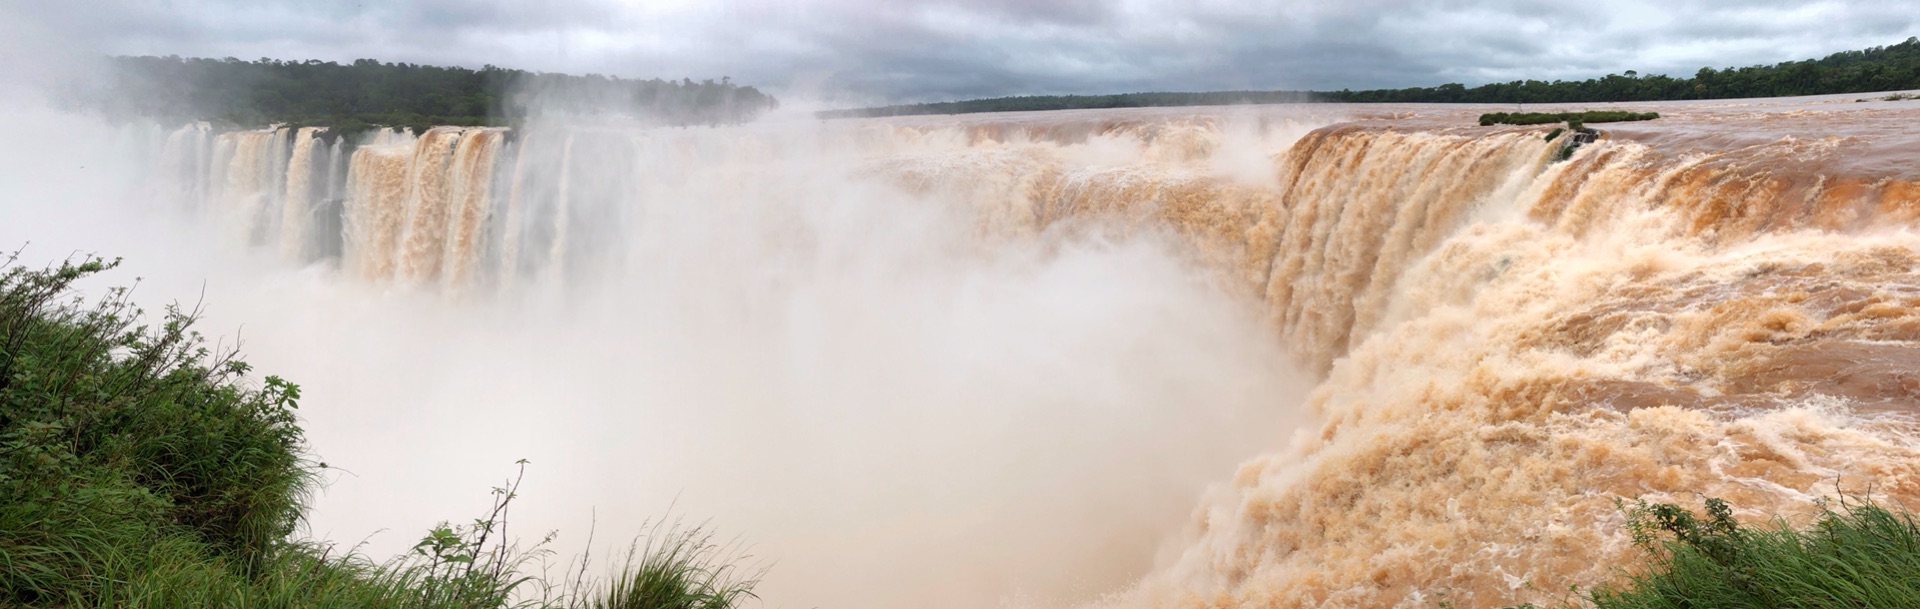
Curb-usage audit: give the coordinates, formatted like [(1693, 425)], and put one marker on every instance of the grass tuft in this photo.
[(679, 567), (1858, 555)]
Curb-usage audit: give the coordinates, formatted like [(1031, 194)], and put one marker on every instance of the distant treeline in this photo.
[(368, 92), (1076, 102), (1889, 68)]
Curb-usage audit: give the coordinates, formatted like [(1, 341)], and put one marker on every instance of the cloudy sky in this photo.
[(867, 51)]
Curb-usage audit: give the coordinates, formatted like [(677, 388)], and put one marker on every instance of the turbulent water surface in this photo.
[(1014, 358)]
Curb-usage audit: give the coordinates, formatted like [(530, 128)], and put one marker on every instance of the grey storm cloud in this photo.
[(868, 51)]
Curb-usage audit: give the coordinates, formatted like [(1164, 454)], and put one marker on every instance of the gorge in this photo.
[(1015, 358)]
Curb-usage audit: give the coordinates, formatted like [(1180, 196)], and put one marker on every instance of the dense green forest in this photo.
[(1889, 68), (368, 92)]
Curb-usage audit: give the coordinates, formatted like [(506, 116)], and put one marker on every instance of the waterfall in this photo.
[(252, 181), (429, 185), (300, 209), (376, 207), (470, 200), (184, 161), (418, 209), (1503, 344)]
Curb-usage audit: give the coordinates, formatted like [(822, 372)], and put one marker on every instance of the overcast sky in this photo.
[(868, 51)]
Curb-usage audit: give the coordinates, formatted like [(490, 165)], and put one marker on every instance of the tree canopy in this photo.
[(369, 92)]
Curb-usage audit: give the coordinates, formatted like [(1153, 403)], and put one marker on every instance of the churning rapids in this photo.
[(993, 360)]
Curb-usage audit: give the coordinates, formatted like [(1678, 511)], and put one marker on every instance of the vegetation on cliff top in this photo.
[(1026, 103), (1542, 118), (368, 92), (140, 469), (1888, 68)]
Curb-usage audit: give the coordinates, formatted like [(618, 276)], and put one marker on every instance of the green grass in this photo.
[(1543, 118), (1858, 555), (678, 567), (141, 469), (115, 436)]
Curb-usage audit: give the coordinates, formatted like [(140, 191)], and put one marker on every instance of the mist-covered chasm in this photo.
[(1164, 357), (895, 395)]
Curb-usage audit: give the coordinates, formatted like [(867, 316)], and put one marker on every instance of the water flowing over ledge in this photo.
[(1721, 303)]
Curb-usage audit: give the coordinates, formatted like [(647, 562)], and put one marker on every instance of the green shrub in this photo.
[(1555, 133), (137, 469), (109, 424), (1860, 555)]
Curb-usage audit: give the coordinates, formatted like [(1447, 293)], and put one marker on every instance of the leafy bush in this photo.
[(128, 431)]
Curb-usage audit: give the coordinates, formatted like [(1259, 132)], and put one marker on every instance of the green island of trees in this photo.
[(1542, 118), (1888, 68), (366, 93)]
